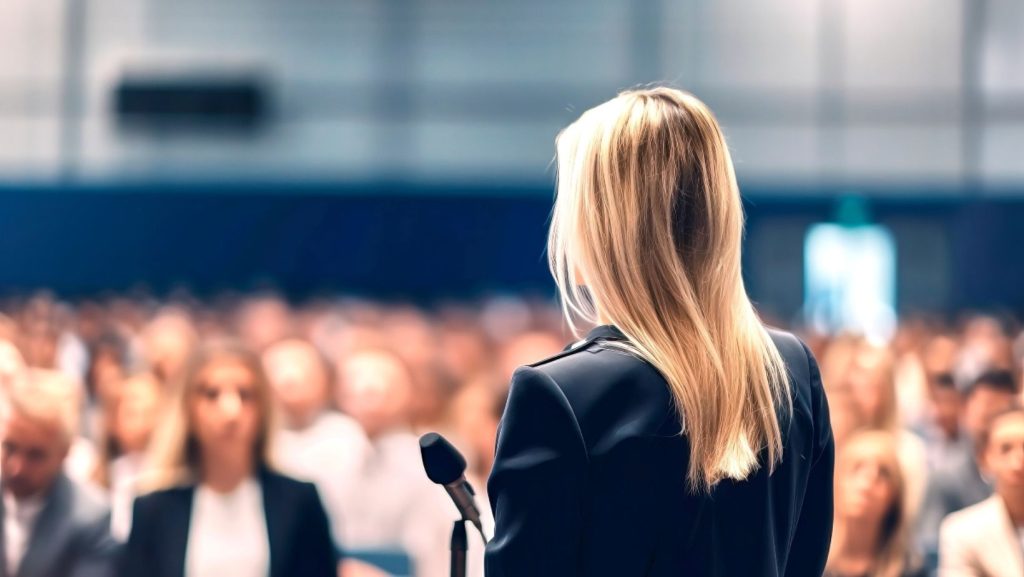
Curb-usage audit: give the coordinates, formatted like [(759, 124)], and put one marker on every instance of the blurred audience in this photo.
[(395, 505), (131, 414), (316, 444), (870, 383), (353, 382), (52, 525), (987, 539)]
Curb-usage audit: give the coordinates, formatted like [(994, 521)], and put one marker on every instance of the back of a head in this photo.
[(646, 234), (50, 397)]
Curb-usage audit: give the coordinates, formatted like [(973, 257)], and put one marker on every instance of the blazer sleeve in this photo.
[(813, 533), (315, 554), (537, 484), (97, 549)]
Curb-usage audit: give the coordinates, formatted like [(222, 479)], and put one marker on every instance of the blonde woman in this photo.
[(679, 437), (871, 383), (870, 537), (216, 507)]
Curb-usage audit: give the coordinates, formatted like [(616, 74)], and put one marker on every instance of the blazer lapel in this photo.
[(50, 532), (172, 530), (276, 513)]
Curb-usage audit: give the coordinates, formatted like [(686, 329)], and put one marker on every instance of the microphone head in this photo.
[(443, 463)]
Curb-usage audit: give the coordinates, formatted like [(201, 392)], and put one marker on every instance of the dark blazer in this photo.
[(590, 478), (71, 537), (297, 529)]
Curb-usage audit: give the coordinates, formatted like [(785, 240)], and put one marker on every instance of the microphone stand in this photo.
[(460, 544)]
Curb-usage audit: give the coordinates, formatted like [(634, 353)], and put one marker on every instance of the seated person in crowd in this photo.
[(317, 444), (218, 508), (870, 535), (950, 461), (130, 415), (957, 481), (987, 539), (396, 507), (871, 385), (52, 526)]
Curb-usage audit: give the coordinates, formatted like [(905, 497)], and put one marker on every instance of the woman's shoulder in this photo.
[(157, 502), (604, 387), (281, 485), (594, 369)]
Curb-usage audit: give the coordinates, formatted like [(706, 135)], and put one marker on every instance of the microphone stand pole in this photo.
[(459, 547)]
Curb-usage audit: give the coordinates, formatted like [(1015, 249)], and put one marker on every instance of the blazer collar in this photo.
[(276, 513), (607, 332)]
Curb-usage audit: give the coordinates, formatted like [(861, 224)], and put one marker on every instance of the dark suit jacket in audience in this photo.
[(71, 537), (297, 530), (590, 478)]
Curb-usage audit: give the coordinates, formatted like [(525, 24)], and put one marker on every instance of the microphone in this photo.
[(446, 466)]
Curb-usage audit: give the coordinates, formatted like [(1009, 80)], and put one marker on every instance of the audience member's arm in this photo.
[(97, 550)]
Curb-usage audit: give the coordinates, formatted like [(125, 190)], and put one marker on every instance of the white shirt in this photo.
[(124, 474), (20, 518), (227, 534), (80, 464), (330, 454), (396, 506)]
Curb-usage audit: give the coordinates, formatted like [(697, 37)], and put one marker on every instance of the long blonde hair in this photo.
[(173, 457), (890, 558), (648, 220)]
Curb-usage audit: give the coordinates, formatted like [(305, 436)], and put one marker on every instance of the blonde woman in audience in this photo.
[(871, 383), (987, 539), (129, 419), (870, 538), (216, 506)]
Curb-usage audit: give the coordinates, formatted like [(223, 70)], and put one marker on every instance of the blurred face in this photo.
[(12, 366), (867, 487), (376, 391), (297, 375), (40, 349), (844, 415), (264, 321), (224, 408), (1004, 455), (31, 455), (473, 419), (106, 374), (946, 405), (137, 413), (870, 377), (168, 343), (981, 405)]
